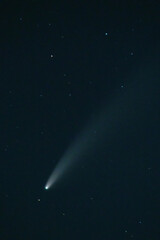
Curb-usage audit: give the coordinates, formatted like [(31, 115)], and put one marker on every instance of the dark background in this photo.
[(60, 63)]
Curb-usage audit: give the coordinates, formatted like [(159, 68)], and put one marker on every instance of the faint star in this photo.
[(63, 213)]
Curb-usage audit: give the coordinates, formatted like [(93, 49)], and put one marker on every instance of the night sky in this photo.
[(67, 66)]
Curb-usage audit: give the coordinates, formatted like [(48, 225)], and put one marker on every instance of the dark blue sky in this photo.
[(61, 62)]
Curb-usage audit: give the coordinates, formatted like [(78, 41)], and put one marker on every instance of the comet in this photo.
[(114, 117), (82, 146)]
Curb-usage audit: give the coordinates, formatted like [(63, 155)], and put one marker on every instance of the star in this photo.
[(63, 213)]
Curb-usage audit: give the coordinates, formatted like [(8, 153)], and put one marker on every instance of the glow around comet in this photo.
[(106, 125)]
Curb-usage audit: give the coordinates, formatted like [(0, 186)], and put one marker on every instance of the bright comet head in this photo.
[(46, 187)]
